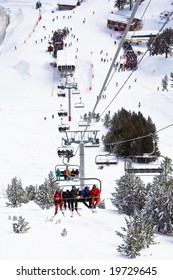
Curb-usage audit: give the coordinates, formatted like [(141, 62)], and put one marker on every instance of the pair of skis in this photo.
[(72, 213), (93, 209), (52, 218)]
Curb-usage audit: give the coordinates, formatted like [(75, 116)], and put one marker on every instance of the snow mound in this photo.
[(22, 67)]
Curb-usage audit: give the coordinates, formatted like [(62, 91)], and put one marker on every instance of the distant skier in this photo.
[(58, 200)]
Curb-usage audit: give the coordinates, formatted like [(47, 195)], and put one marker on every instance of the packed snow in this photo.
[(30, 136)]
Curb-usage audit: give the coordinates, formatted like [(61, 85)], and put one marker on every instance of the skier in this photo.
[(66, 197), (58, 174), (95, 196), (85, 193), (58, 200), (74, 193)]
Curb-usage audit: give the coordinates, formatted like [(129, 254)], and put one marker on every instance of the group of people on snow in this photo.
[(69, 199)]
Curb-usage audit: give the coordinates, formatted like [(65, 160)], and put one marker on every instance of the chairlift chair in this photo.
[(63, 127), (106, 159), (66, 152), (142, 169), (83, 123), (79, 104), (62, 113), (93, 143), (89, 138), (78, 183), (75, 91), (63, 172), (61, 93)]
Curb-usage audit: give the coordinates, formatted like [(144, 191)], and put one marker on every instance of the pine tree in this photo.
[(130, 194), (171, 78), (43, 197), (119, 4), (31, 192), (153, 45), (165, 83), (159, 201), (107, 120), (163, 43), (51, 182), (64, 232), (45, 192), (19, 225), (128, 125), (15, 193), (138, 235), (166, 42), (101, 204), (166, 164)]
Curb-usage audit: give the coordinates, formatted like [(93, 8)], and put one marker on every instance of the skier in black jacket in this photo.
[(74, 197)]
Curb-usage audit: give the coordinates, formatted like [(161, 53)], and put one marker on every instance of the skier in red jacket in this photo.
[(95, 196), (58, 200)]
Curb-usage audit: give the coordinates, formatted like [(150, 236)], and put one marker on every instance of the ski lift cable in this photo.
[(140, 137), (133, 34), (132, 71), (77, 112), (112, 64), (134, 31), (104, 85)]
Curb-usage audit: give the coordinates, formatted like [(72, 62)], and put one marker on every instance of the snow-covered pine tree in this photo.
[(43, 197), (31, 192), (45, 192), (107, 120), (101, 204), (129, 195), (15, 193), (166, 164), (165, 83), (19, 225), (64, 232), (51, 182), (159, 200), (162, 44), (166, 42), (126, 125), (171, 78), (138, 235)]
